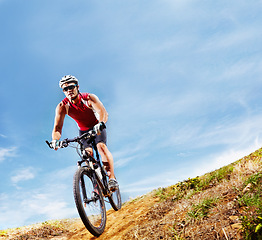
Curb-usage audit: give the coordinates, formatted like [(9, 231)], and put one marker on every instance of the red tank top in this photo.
[(83, 115)]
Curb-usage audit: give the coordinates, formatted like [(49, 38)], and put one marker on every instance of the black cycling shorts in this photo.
[(98, 138)]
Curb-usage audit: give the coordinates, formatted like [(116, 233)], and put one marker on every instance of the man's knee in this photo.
[(102, 148)]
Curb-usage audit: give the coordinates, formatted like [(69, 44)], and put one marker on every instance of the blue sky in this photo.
[(181, 81)]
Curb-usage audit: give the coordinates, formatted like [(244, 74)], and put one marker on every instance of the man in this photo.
[(88, 112)]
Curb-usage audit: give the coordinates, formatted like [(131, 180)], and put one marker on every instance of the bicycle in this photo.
[(90, 185)]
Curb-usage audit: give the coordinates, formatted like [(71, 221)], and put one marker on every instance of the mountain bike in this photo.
[(90, 185)]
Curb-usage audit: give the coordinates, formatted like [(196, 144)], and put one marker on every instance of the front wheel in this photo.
[(89, 201)]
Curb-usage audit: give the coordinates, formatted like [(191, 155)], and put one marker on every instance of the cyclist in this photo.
[(88, 112)]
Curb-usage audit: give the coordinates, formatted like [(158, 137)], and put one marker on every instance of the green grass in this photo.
[(215, 177), (175, 235), (251, 201), (192, 186), (166, 193), (202, 209)]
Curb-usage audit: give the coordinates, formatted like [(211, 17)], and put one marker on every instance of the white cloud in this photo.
[(7, 152), (48, 204), (121, 162), (130, 152), (221, 159), (146, 184), (33, 206), (50, 198), (229, 40), (238, 132), (23, 175)]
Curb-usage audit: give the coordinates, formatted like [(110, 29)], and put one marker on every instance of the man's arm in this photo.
[(59, 121), (97, 105)]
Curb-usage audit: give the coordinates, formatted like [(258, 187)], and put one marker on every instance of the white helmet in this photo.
[(67, 79)]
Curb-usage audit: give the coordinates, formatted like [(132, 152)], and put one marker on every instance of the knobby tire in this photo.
[(93, 212)]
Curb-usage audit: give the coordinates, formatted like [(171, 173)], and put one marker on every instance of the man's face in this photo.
[(70, 90)]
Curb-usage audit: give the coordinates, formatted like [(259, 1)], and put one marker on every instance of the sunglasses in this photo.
[(69, 88)]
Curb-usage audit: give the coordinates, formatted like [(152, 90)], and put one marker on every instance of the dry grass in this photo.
[(201, 208), (45, 230)]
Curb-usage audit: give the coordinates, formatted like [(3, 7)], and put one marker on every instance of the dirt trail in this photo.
[(118, 223)]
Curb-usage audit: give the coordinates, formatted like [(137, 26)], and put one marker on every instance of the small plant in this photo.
[(53, 223), (252, 226), (201, 210), (174, 192), (133, 200), (190, 183), (161, 193), (215, 177), (3, 233), (251, 201), (193, 185)]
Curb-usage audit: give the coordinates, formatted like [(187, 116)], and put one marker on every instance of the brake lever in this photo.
[(64, 144)]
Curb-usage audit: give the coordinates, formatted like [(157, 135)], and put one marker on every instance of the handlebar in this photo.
[(87, 136)]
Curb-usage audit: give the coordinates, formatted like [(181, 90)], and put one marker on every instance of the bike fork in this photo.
[(84, 191)]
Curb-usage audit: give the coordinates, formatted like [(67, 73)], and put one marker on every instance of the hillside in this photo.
[(223, 204)]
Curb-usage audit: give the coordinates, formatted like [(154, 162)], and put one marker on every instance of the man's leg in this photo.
[(106, 158)]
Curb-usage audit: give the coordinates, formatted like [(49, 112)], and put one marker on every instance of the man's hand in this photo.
[(99, 127), (55, 144)]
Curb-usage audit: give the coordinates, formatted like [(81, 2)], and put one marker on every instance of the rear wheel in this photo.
[(115, 199), (89, 201)]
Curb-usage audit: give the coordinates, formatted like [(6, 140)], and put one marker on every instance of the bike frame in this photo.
[(94, 163)]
